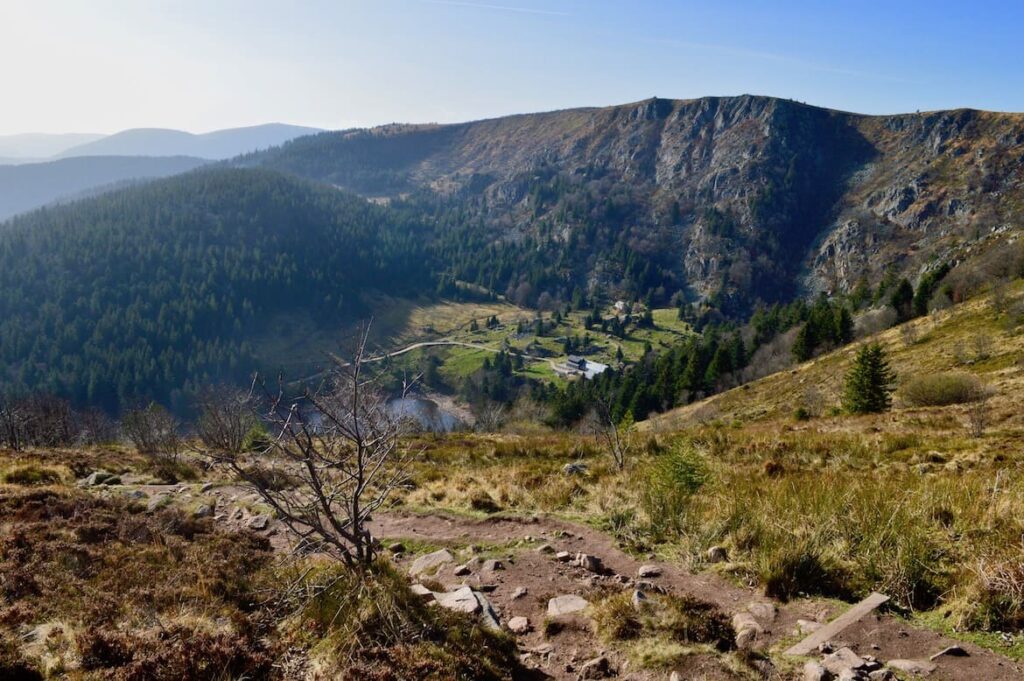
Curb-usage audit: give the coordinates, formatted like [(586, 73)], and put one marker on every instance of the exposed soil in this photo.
[(515, 541)]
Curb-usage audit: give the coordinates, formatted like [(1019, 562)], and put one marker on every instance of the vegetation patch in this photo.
[(942, 389)]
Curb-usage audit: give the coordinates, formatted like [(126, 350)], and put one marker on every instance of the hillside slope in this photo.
[(153, 290), (739, 198), (31, 185), (972, 337)]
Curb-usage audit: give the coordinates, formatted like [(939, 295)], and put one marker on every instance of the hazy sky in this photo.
[(106, 65)]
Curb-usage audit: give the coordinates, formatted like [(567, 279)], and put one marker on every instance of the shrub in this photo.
[(674, 478), (938, 390), (153, 430)]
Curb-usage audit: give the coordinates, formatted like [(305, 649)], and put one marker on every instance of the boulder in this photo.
[(881, 675), (431, 562), (804, 627), (519, 592), (422, 592), (488, 615), (519, 625), (648, 571), (460, 600), (563, 556), (96, 478), (461, 570), (566, 605), (493, 565), (717, 554)]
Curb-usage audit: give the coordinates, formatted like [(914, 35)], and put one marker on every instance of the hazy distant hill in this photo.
[(39, 146), (220, 144), (31, 185)]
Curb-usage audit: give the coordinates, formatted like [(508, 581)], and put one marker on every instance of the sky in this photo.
[(106, 65)]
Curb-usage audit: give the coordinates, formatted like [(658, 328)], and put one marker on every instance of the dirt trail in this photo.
[(883, 636), (560, 657)]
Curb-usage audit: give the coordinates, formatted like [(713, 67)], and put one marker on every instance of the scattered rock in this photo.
[(804, 627), (881, 675), (422, 591), (763, 611), (919, 667), (431, 562), (96, 478), (493, 565), (566, 605), (397, 547), (203, 511), (747, 629), (844, 658), (717, 554), (206, 488), (157, 502), (259, 522), (951, 651), (648, 571), (520, 592), (814, 671), (238, 514), (488, 615), (460, 600), (575, 468), (745, 638), (639, 600), (563, 556), (545, 548), (461, 570), (589, 563), (519, 625), (598, 668), (136, 494)]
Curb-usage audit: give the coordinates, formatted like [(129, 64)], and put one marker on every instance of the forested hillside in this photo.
[(150, 291)]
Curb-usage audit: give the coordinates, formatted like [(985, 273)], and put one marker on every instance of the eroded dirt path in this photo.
[(516, 542)]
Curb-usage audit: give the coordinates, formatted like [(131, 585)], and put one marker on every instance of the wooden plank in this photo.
[(832, 629)]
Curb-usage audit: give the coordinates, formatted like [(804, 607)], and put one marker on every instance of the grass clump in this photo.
[(680, 624), (372, 626), (32, 474), (942, 389)]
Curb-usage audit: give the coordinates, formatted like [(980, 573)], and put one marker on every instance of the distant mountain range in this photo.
[(31, 185), (39, 169)]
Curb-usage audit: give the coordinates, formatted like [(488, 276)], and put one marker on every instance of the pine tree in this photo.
[(869, 382), (902, 300)]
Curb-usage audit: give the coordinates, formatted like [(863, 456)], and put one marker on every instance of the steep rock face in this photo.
[(743, 198)]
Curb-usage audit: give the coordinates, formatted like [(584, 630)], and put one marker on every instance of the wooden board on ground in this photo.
[(836, 626)]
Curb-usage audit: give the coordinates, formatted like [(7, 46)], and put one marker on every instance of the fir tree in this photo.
[(869, 382)]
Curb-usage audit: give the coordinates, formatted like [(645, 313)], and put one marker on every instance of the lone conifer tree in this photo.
[(869, 383)]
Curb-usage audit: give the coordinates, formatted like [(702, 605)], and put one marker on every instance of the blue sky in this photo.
[(105, 65)]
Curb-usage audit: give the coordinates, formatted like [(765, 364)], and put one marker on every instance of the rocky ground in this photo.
[(540, 579)]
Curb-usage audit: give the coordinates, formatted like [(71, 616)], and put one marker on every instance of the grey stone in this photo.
[(589, 563), (881, 675), (422, 591), (844, 658), (397, 547), (717, 554), (815, 671), (519, 625), (520, 592), (764, 612), (563, 556), (203, 511), (96, 478), (461, 570), (258, 522), (206, 488), (805, 627), (574, 468), (136, 495), (639, 600), (460, 600), (157, 502), (488, 615), (648, 571), (431, 562), (493, 565), (567, 605), (545, 548), (745, 638)]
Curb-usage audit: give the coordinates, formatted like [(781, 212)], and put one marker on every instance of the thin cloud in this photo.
[(503, 8), (774, 56)]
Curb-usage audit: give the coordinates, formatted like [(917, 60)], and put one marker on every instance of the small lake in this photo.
[(427, 413)]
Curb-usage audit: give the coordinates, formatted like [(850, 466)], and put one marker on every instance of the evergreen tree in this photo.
[(902, 300), (869, 382)]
